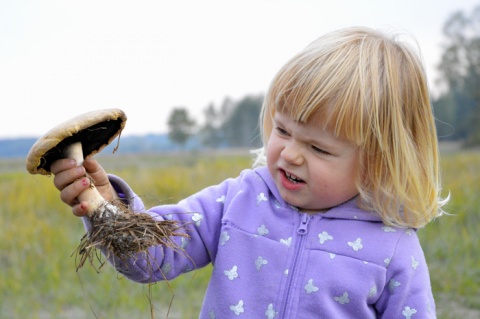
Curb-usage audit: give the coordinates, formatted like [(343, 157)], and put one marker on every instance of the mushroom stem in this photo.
[(91, 195)]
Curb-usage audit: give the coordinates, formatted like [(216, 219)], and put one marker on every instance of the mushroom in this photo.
[(78, 138), (115, 229)]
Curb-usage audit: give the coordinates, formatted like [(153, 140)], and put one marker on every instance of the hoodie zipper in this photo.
[(302, 230)]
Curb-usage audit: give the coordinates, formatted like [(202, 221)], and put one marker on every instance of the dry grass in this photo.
[(38, 235)]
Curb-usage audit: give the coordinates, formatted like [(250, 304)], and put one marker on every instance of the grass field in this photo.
[(38, 235)]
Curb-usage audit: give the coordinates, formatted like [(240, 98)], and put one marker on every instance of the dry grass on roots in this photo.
[(124, 234)]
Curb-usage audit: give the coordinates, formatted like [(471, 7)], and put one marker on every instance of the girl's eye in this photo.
[(281, 131), (320, 151)]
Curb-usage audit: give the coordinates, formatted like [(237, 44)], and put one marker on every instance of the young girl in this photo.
[(325, 225)]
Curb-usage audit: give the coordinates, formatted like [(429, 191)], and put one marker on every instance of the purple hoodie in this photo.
[(272, 261)]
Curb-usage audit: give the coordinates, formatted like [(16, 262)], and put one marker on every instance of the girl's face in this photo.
[(313, 169)]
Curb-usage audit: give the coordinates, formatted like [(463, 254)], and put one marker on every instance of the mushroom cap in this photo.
[(95, 129)]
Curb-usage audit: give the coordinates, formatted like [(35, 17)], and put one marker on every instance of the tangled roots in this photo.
[(119, 232)]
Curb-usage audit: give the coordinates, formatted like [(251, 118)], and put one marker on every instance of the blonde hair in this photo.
[(372, 88)]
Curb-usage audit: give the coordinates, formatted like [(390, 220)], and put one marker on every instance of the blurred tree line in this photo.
[(457, 108), (232, 124)]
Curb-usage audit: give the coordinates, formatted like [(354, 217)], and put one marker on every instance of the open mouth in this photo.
[(292, 178)]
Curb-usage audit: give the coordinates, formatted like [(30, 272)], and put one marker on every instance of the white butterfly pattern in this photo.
[(270, 313), (276, 204), (260, 262), (238, 309), (261, 198), (343, 299), (224, 237), (310, 287), (323, 237), (166, 268), (231, 273), (408, 312), (414, 263), (262, 230), (389, 229), (287, 241), (356, 245), (387, 261), (393, 284), (197, 218), (184, 242)]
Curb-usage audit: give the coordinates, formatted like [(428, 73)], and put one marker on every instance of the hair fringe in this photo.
[(372, 88)]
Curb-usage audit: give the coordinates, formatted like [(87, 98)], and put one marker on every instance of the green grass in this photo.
[(451, 243), (38, 235)]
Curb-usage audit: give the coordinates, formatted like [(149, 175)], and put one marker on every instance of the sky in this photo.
[(59, 59)]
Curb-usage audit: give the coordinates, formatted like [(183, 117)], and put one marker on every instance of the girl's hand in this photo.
[(71, 181)]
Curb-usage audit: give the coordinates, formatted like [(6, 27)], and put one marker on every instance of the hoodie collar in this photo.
[(348, 210)]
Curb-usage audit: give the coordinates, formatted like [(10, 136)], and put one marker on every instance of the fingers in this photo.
[(80, 209), (96, 171), (100, 178), (71, 191), (65, 174), (62, 165), (72, 180)]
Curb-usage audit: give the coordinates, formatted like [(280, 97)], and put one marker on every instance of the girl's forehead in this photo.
[(319, 119), (322, 120), (314, 126)]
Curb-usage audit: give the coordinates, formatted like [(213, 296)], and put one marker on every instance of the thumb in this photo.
[(96, 172), (100, 179)]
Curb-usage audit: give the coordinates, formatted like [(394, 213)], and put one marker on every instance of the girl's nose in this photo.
[(292, 154)]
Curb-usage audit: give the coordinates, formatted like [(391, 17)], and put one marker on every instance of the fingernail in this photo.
[(85, 182)]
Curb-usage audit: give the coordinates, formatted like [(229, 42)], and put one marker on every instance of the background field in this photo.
[(38, 235)]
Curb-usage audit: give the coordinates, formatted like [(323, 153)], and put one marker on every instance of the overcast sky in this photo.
[(59, 59)]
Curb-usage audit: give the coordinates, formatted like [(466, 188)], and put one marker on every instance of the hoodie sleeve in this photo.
[(201, 214), (407, 292)]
